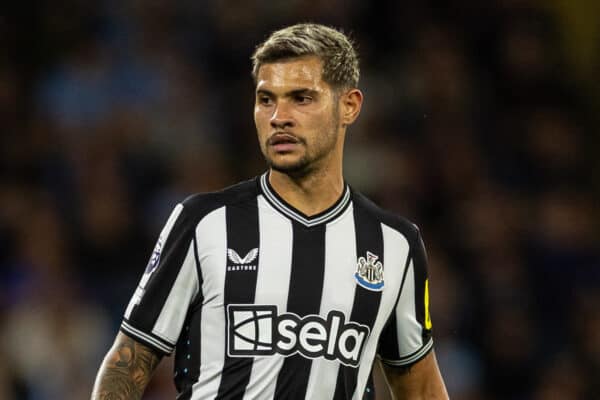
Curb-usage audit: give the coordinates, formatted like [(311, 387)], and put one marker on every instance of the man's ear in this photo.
[(350, 105)]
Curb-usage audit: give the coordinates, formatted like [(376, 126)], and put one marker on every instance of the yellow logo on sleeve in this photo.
[(428, 324)]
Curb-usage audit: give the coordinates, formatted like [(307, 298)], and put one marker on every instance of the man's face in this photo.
[(296, 115)]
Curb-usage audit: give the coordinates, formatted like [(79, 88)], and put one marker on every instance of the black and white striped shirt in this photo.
[(260, 301)]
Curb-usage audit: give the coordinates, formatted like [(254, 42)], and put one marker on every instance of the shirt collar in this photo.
[(291, 212)]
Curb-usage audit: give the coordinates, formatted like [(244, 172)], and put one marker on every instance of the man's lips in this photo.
[(279, 138), (283, 142)]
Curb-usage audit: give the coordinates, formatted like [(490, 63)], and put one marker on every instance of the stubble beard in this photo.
[(308, 163), (299, 169), (296, 169)]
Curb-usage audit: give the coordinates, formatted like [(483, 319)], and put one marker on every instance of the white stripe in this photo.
[(211, 235), (408, 328), (164, 233), (339, 284), (395, 253), (171, 317), (274, 269), (294, 215), (144, 336)]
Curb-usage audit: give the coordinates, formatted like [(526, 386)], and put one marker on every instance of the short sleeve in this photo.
[(406, 337), (169, 284)]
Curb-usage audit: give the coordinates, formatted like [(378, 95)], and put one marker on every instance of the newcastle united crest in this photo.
[(369, 272)]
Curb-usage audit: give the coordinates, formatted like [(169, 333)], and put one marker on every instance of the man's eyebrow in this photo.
[(264, 91), (303, 91), (291, 93)]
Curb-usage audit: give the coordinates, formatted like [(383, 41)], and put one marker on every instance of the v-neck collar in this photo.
[(291, 212)]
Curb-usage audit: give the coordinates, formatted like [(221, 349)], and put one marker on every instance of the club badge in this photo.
[(369, 272)]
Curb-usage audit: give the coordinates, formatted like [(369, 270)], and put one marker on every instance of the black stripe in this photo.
[(187, 355), (419, 256), (369, 238), (240, 287), (188, 350), (174, 250), (420, 270), (304, 298)]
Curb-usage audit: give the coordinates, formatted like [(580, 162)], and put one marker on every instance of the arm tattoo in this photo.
[(126, 371)]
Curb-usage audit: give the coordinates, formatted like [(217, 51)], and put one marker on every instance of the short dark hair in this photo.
[(331, 46)]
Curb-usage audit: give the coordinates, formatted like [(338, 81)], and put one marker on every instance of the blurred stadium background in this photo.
[(480, 124)]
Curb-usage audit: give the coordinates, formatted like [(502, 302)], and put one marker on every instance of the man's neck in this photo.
[(311, 194)]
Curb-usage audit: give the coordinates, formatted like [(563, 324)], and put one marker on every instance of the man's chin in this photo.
[(294, 169)]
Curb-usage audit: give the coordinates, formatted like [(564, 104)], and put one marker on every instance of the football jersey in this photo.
[(259, 301)]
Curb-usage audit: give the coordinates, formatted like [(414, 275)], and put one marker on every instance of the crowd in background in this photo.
[(480, 124)]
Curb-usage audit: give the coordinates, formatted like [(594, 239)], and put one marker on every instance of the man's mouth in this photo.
[(280, 138), (283, 142)]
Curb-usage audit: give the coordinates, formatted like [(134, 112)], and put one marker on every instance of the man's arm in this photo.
[(420, 381), (125, 371)]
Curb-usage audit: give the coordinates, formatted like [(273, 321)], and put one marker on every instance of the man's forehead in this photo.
[(293, 72)]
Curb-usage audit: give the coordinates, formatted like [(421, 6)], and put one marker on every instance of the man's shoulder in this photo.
[(397, 222), (200, 204)]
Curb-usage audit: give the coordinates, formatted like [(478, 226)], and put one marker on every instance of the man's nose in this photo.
[(281, 117)]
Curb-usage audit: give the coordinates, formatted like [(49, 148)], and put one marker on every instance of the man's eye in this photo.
[(303, 99), (264, 100)]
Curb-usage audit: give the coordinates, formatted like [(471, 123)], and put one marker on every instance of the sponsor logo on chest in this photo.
[(258, 330)]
